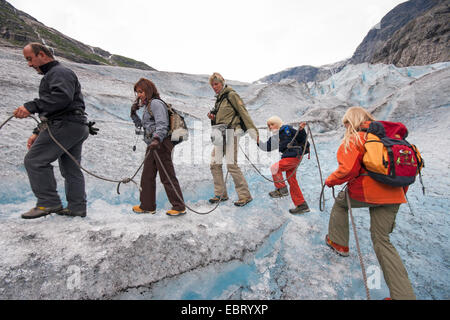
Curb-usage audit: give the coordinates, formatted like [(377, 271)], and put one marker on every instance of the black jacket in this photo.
[(59, 92), (282, 139)]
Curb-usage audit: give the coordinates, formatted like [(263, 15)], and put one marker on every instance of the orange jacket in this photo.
[(362, 187)]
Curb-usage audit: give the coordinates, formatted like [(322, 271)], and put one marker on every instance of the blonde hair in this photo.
[(275, 121), (216, 77), (354, 117)]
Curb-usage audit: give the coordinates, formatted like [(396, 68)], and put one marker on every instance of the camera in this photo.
[(213, 113)]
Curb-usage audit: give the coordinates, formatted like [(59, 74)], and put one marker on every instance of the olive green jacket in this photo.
[(226, 112)]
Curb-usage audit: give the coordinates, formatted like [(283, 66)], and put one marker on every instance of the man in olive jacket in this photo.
[(230, 113), (61, 102)]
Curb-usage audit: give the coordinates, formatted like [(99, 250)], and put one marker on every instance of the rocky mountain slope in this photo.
[(415, 32), (396, 19), (306, 73), (17, 28), (422, 41)]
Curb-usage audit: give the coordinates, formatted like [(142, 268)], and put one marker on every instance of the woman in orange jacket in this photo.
[(382, 200)]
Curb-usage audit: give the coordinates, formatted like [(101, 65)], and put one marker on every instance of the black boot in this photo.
[(70, 213)]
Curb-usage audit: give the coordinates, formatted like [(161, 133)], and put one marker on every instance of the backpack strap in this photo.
[(219, 102), (377, 129), (217, 106), (169, 110), (150, 109), (236, 113)]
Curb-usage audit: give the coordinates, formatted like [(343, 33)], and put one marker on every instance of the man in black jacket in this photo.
[(61, 102)]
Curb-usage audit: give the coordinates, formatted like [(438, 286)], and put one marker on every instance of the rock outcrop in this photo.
[(18, 28), (423, 41), (306, 73), (395, 20), (415, 32)]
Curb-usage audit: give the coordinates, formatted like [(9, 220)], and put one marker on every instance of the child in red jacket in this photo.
[(292, 151)]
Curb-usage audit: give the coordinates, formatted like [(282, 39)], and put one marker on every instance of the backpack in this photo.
[(178, 130), (291, 144), (388, 157)]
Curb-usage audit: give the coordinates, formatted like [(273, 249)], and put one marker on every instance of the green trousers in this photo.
[(382, 223)]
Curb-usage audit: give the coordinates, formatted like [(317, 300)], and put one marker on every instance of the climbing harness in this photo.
[(363, 269), (44, 126)]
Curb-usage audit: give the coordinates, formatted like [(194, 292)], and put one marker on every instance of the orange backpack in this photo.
[(388, 157)]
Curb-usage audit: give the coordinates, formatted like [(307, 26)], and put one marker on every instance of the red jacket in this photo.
[(362, 187)]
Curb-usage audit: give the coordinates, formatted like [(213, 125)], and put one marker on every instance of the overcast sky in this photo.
[(242, 39)]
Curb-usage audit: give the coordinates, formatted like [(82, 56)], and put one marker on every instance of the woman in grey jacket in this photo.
[(155, 121)]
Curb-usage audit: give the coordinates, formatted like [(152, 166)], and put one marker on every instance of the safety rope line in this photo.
[(44, 126), (319, 167), (181, 198), (293, 173), (309, 134), (361, 261), (322, 198), (7, 120), (409, 204)]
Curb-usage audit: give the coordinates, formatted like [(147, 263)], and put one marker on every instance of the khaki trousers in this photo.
[(231, 151), (382, 223)]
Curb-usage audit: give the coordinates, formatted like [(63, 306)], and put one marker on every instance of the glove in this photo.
[(134, 108), (92, 130), (155, 144), (328, 183)]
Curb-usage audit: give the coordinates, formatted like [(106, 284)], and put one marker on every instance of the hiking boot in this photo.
[(176, 213), (137, 209), (216, 199), (69, 213), (242, 202), (38, 212), (279, 193), (340, 250), (300, 209)]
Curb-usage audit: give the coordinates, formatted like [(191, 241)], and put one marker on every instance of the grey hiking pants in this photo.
[(382, 223), (44, 151)]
